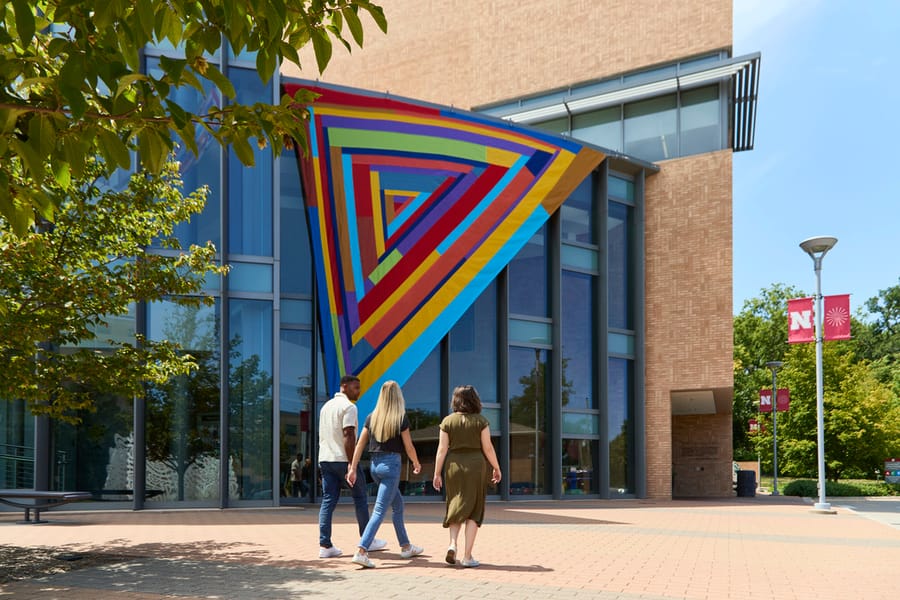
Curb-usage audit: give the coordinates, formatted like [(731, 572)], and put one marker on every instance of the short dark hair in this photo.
[(349, 379), (466, 400)]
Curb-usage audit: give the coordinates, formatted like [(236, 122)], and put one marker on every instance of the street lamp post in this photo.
[(774, 365), (817, 247)]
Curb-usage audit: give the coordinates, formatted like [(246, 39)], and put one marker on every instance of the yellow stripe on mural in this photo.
[(377, 215)]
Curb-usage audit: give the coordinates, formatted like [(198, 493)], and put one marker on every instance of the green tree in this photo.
[(71, 85), (760, 336), (861, 415), (879, 339), (63, 284)]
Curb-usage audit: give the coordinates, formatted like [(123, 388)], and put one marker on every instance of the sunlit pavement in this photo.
[(761, 547)]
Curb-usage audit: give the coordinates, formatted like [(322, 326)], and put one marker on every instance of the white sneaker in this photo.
[(329, 552), (377, 545), (363, 560), (413, 550)]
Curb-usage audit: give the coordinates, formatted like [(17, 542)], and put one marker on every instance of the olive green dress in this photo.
[(466, 469)]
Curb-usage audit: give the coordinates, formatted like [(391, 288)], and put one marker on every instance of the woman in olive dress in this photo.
[(465, 446)]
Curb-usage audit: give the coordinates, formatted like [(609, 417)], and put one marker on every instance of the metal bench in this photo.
[(38, 500)]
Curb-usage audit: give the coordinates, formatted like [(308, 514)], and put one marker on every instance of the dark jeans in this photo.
[(333, 474)]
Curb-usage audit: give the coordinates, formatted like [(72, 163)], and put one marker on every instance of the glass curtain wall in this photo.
[(422, 393), (183, 415)]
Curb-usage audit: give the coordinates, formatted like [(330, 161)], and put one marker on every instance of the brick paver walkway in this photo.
[(763, 547)]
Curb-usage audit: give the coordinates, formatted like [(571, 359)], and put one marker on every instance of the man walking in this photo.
[(338, 423)]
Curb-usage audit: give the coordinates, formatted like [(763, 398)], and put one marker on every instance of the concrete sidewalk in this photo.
[(763, 547)]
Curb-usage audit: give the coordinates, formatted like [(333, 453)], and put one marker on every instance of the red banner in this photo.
[(836, 321), (765, 400), (801, 327)]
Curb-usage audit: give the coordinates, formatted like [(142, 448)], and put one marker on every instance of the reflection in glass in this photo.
[(250, 188), (601, 127), (183, 414), (295, 404), (621, 426), (473, 347), (578, 340), (296, 256), (528, 278), (250, 398), (200, 170), (578, 460), (577, 214), (527, 416), (619, 265), (650, 128), (16, 445), (700, 130), (422, 393)]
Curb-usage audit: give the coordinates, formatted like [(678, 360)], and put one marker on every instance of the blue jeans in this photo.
[(333, 474), (385, 470)]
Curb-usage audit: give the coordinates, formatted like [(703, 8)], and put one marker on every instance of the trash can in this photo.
[(746, 484)]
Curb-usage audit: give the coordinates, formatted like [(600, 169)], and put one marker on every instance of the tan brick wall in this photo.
[(688, 293), (701, 456), (472, 52)]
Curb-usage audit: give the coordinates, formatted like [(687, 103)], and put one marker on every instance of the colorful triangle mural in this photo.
[(414, 209)]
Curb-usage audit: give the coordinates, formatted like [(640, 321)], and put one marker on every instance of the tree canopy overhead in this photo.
[(71, 85)]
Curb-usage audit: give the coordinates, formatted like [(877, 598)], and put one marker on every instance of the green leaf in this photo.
[(62, 173), (322, 48), (153, 150), (173, 67), (215, 75), (73, 151), (114, 149), (243, 150), (24, 21), (377, 14), (30, 157), (353, 22), (145, 18), (290, 53), (179, 116)]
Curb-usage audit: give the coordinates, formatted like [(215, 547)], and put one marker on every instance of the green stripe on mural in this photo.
[(406, 142), (386, 265)]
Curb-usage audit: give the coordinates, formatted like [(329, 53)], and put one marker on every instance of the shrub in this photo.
[(809, 488)]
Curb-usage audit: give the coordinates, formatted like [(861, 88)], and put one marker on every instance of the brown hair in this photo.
[(466, 400), (348, 379)]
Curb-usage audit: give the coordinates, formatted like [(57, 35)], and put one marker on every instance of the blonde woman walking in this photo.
[(387, 434)]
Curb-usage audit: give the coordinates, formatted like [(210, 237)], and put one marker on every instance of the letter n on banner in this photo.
[(836, 322), (800, 321)]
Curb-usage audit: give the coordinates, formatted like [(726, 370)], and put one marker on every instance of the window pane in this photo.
[(620, 343), (577, 214), (528, 421), (560, 125), (580, 423), (296, 312), (621, 427), (250, 188), (531, 332), (700, 130), (296, 257), (183, 414), (250, 277), (650, 128), (578, 460), (528, 278), (621, 188), (473, 347), (197, 171), (601, 127), (16, 445), (578, 341), (422, 394), (579, 258), (619, 265), (295, 406), (250, 398)]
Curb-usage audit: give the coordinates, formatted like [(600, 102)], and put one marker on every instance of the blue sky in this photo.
[(827, 147)]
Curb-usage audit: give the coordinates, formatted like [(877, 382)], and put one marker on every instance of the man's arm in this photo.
[(349, 442)]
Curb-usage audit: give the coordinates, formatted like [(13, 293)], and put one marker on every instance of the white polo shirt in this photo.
[(336, 414)]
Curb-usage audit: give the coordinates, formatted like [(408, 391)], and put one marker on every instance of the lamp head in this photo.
[(774, 364), (818, 246)]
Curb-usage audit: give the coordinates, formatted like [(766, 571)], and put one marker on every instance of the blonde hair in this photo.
[(389, 412)]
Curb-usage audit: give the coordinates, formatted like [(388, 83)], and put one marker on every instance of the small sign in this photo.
[(892, 470), (765, 400), (754, 425)]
